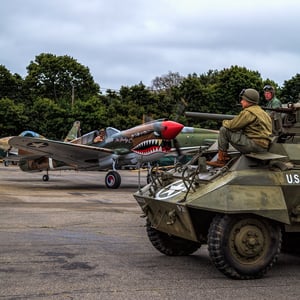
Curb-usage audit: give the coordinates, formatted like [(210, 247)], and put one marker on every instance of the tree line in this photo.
[(58, 90)]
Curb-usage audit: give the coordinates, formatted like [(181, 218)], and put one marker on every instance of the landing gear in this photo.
[(46, 177), (243, 247), (113, 180)]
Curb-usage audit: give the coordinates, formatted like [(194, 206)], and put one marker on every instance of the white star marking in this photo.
[(171, 190), (37, 145)]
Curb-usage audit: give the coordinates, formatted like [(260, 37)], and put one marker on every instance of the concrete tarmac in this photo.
[(72, 238)]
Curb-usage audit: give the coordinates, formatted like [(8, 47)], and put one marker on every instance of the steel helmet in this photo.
[(269, 88), (250, 95)]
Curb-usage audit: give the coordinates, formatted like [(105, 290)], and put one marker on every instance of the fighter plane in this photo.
[(141, 144)]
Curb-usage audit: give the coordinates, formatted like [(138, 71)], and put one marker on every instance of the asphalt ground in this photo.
[(72, 238)]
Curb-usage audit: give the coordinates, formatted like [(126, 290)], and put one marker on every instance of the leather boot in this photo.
[(221, 161)]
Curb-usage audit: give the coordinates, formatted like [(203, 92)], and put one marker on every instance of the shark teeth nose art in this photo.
[(151, 146)]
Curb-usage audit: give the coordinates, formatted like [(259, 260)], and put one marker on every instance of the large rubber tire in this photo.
[(113, 180), (169, 244), (243, 247)]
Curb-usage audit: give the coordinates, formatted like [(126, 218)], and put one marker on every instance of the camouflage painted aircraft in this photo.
[(93, 151)]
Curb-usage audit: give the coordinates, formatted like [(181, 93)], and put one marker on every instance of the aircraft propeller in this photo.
[(181, 108)]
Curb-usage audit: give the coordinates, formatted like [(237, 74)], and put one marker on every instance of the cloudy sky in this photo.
[(125, 42)]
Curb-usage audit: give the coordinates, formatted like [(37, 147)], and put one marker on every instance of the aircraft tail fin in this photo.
[(74, 132)]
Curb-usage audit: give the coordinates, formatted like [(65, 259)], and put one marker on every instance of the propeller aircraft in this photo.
[(110, 150)]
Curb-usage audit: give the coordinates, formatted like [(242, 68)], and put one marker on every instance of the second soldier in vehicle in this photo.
[(273, 102)]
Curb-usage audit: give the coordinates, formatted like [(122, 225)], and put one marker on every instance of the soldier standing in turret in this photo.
[(273, 102)]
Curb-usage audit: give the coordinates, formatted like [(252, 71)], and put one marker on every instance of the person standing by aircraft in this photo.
[(273, 102), (247, 132)]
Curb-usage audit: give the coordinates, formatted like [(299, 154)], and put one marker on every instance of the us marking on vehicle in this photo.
[(292, 178)]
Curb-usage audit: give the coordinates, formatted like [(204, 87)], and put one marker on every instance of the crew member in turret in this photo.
[(249, 131), (273, 102)]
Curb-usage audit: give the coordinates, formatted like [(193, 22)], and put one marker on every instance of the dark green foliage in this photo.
[(58, 91), (12, 117), (60, 78), (291, 90), (48, 119), (10, 85)]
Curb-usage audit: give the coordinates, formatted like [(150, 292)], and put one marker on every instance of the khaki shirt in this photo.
[(253, 121)]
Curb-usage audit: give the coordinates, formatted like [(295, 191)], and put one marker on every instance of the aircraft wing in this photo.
[(74, 154)]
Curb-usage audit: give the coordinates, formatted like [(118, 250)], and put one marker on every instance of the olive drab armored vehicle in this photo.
[(244, 211)]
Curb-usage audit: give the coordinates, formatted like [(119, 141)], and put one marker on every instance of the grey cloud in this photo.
[(125, 42)]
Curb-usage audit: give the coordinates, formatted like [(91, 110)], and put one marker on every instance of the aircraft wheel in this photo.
[(113, 180), (46, 178), (169, 244), (243, 247), (6, 163)]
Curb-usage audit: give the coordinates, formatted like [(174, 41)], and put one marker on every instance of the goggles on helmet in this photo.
[(241, 94), (268, 88)]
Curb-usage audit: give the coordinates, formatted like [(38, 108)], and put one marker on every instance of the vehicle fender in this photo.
[(267, 201)]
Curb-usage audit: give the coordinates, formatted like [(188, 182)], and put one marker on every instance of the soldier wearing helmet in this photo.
[(247, 132), (273, 102)]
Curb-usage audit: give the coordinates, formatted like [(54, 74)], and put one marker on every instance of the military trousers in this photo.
[(238, 140)]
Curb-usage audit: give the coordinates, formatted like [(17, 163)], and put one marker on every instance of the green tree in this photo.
[(60, 78), (91, 113), (10, 85), (197, 92), (48, 119), (217, 92), (230, 82), (290, 91), (12, 117), (135, 102)]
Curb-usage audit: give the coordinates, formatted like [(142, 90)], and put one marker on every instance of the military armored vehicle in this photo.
[(244, 211)]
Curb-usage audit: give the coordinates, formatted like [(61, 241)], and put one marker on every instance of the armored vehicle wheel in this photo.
[(170, 244), (243, 247)]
